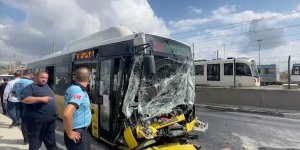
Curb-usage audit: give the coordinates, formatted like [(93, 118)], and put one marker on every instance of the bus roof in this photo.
[(108, 36)]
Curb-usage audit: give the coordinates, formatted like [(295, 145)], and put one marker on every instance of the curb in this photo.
[(263, 111)]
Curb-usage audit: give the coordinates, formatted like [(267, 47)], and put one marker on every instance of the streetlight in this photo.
[(259, 51)]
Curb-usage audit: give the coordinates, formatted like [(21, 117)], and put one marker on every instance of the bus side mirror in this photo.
[(149, 65)]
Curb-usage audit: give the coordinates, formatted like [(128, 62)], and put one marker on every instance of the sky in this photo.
[(29, 28)]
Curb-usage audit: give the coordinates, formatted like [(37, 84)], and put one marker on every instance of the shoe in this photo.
[(13, 124), (25, 141)]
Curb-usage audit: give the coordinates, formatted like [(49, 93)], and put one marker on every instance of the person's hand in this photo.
[(45, 99), (74, 136)]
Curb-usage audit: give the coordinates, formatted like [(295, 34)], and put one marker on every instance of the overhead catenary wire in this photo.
[(234, 25)]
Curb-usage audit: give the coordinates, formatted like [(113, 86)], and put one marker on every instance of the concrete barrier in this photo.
[(253, 97)]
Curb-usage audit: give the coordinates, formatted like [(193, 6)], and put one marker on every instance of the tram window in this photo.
[(213, 72), (228, 69), (199, 70), (296, 70), (243, 69), (270, 71)]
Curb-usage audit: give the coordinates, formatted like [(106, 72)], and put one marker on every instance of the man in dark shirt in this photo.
[(2, 88), (40, 113)]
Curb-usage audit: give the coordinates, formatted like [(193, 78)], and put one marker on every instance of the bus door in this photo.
[(92, 92), (50, 71), (110, 85)]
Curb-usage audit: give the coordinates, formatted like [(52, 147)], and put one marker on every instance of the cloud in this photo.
[(55, 21), (195, 10), (269, 37), (224, 10), (186, 24)]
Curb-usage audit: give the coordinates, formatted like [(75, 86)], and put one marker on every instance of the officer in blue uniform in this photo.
[(16, 91), (77, 114)]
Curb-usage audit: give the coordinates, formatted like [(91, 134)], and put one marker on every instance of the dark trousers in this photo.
[(3, 107), (83, 144), (41, 130), (13, 111), (23, 123)]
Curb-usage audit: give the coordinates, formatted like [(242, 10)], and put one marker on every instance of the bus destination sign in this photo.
[(85, 55)]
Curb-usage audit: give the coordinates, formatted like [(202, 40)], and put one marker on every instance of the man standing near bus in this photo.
[(77, 114), (40, 113), (2, 88), (12, 105), (17, 88)]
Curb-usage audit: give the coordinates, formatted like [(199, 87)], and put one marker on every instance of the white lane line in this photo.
[(61, 146), (59, 133), (58, 144)]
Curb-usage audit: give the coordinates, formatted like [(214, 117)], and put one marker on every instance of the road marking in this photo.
[(58, 144), (61, 146), (59, 133)]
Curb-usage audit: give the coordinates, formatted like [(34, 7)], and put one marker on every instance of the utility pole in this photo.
[(14, 63), (193, 52), (259, 51), (224, 51), (53, 47), (217, 54), (289, 73)]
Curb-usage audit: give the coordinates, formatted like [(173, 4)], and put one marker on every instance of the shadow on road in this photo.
[(10, 148), (272, 148)]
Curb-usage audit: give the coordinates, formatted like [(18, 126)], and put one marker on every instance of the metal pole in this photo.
[(289, 73), (234, 73), (259, 51), (224, 51), (217, 54), (53, 47), (193, 52)]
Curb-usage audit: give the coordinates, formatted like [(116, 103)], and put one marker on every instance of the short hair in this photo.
[(18, 73), (27, 72), (41, 72), (5, 79), (82, 75)]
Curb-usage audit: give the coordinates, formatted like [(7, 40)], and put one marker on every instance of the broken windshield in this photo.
[(173, 85)]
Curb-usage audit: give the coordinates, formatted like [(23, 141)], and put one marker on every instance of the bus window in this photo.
[(199, 70), (62, 79), (243, 69), (105, 76), (228, 68), (213, 72)]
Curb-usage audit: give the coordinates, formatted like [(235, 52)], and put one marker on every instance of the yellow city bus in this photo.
[(142, 88)]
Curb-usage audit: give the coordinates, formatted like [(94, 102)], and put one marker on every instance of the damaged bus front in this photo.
[(158, 105)]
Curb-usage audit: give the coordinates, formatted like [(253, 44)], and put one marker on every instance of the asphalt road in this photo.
[(236, 131)]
